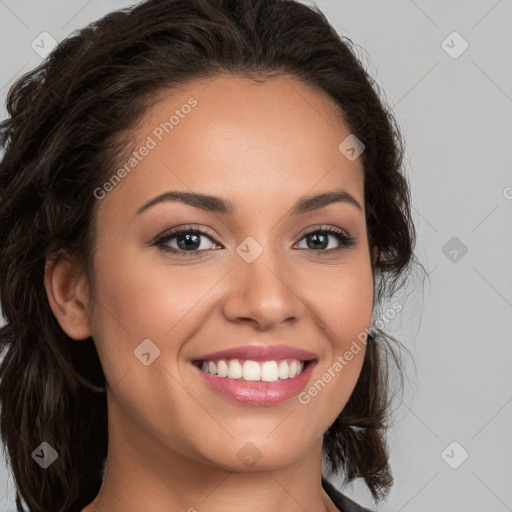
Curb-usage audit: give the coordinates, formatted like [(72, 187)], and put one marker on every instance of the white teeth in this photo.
[(235, 369), (283, 370), (222, 368), (266, 371), (269, 371), (252, 371)]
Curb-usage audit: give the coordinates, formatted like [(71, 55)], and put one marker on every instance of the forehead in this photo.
[(233, 134)]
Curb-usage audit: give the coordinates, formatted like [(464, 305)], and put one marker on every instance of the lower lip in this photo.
[(258, 392)]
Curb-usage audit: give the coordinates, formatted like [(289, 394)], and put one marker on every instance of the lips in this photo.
[(258, 353), (257, 392)]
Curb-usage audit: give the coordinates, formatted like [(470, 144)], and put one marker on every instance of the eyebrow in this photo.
[(218, 205)]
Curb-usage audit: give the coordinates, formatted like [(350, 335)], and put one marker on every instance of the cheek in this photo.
[(344, 301), (136, 300), (345, 311), (352, 313), (144, 298)]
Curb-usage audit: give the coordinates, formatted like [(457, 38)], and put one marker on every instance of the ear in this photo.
[(67, 293)]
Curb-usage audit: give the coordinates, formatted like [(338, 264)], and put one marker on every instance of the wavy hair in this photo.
[(68, 127)]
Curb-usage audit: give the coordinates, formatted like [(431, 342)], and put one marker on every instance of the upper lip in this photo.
[(259, 353)]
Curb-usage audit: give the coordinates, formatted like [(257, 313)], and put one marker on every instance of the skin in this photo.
[(173, 441)]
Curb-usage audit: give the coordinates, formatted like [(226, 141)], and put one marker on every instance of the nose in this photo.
[(263, 293)]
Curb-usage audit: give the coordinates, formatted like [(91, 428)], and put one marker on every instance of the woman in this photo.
[(202, 211)]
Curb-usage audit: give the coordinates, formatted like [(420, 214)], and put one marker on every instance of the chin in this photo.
[(260, 453)]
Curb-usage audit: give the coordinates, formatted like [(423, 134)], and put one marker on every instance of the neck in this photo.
[(142, 473)]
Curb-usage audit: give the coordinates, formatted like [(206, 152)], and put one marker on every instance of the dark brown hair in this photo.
[(70, 120)]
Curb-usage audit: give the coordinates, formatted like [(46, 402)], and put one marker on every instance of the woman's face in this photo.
[(253, 279)]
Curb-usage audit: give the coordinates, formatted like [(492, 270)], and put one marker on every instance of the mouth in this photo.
[(257, 375), (248, 370)]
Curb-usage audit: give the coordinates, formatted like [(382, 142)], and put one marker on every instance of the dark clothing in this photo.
[(343, 503)]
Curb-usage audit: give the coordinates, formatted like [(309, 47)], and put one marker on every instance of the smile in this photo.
[(253, 371), (256, 374)]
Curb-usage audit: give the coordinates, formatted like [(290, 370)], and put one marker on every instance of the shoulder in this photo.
[(342, 502)]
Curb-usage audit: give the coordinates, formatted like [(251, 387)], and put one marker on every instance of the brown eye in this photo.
[(318, 239), (187, 240)]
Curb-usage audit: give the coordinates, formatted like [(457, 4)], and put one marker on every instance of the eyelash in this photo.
[(345, 240)]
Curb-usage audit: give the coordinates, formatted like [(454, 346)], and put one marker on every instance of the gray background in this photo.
[(456, 115)]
